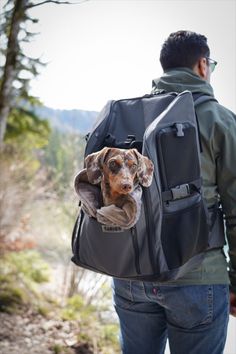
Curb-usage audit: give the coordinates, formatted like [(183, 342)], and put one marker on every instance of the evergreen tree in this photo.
[(15, 61), (17, 69)]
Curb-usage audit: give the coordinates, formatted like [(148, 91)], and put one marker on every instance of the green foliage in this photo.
[(29, 264), (103, 336), (16, 71), (26, 129), (68, 314), (30, 148), (43, 310), (63, 157), (10, 296), (110, 333), (93, 329), (18, 185), (76, 309), (25, 67), (57, 349), (61, 349), (20, 272), (76, 302)]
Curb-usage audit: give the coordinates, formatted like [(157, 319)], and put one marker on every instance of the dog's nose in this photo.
[(126, 187)]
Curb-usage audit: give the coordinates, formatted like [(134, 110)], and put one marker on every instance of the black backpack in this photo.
[(175, 228)]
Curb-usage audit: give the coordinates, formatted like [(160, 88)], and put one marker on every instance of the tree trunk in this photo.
[(6, 89)]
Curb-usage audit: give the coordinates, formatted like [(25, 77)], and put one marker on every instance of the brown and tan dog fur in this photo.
[(119, 171)]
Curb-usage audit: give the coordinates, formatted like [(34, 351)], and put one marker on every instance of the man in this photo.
[(193, 311)]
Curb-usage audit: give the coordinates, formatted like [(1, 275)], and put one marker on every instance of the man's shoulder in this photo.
[(216, 113)]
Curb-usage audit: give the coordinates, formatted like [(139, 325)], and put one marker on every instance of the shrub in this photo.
[(20, 272)]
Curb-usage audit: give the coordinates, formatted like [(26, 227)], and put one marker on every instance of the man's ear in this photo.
[(93, 165), (201, 68), (145, 169)]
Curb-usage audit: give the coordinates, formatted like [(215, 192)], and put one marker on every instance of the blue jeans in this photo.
[(193, 317)]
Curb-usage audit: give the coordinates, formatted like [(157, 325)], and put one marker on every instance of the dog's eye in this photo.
[(114, 166), (134, 167)]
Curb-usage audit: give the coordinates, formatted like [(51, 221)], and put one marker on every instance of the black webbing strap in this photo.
[(129, 143), (76, 228), (182, 191), (200, 98), (214, 214), (216, 226)]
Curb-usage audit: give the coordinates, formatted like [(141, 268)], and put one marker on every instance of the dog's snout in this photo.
[(126, 187)]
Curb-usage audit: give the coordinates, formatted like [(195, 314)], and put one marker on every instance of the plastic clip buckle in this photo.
[(181, 191), (129, 140)]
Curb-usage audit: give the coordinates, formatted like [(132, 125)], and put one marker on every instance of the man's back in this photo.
[(192, 312), (214, 121)]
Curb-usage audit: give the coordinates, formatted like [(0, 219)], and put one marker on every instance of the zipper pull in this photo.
[(179, 128)]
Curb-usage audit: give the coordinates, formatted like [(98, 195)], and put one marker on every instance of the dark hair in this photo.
[(183, 49)]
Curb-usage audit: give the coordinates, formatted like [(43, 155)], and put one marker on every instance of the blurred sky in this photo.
[(109, 49)]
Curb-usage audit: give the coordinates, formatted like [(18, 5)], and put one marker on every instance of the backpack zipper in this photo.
[(149, 225), (136, 249)]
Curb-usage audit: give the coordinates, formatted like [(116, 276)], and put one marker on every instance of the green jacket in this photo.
[(218, 161)]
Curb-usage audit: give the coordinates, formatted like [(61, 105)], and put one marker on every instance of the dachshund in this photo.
[(118, 171)]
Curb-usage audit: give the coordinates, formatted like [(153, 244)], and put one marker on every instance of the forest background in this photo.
[(57, 307)]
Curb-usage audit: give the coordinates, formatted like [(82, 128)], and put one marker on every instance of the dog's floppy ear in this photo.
[(93, 165), (145, 169)]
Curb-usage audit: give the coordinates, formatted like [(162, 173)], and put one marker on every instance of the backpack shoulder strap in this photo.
[(200, 98)]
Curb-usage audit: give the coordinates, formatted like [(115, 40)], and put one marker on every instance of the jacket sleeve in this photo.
[(226, 182)]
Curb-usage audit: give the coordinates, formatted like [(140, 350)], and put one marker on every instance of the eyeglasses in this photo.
[(212, 63)]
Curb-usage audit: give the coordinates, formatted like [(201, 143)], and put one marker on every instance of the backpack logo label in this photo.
[(115, 229)]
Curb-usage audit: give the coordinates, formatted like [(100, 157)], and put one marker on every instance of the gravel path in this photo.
[(31, 333)]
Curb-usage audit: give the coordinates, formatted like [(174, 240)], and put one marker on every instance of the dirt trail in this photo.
[(32, 333)]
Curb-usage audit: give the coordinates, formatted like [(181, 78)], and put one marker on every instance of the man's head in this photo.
[(187, 49)]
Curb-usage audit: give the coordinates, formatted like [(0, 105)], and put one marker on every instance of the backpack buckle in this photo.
[(129, 140), (181, 191)]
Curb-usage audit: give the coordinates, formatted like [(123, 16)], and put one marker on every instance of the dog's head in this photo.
[(120, 168)]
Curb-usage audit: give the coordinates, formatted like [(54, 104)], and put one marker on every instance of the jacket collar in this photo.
[(181, 79)]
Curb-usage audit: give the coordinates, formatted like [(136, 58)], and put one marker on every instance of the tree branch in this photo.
[(58, 2)]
